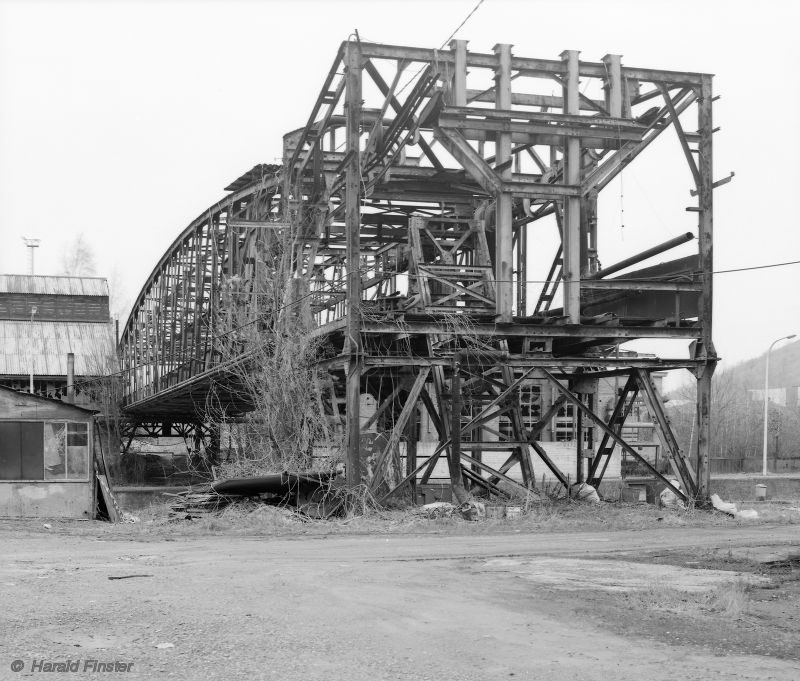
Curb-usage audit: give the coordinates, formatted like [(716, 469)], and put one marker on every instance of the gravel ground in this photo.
[(513, 604)]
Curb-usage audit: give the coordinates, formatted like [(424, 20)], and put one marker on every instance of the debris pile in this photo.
[(669, 499), (308, 493), (469, 510), (436, 509), (732, 509), (582, 491), (195, 504)]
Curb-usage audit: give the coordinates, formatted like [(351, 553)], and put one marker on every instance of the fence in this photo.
[(723, 465)]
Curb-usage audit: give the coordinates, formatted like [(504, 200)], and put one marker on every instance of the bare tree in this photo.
[(735, 418), (78, 258), (119, 301)]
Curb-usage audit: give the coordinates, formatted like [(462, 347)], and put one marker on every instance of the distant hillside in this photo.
[(784, 367)]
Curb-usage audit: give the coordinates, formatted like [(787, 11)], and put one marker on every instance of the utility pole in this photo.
[(766, 400), (31, 244)]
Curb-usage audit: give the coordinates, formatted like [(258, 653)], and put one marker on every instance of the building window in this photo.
[(630, 434), (49, 450), (530, 401), (564, 424)]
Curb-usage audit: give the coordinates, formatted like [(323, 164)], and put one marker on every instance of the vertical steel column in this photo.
[(571, 238), (459, 86), (353, 231), (504, 250), (522, 256), (613, 92), (613, 86), (411, 430), (579, 448), (705, 238), (588, 241), (522, 269), (454, 460)]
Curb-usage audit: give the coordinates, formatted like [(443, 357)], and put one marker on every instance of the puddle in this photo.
[(766, 555)]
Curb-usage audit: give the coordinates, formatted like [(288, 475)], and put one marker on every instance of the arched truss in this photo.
[(173, 333), (406, 204)]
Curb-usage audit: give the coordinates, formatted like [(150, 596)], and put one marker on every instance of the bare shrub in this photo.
[(730, 600), (103, 391), (268, 345)]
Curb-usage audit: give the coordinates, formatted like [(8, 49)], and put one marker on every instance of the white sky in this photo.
[(125, 120)]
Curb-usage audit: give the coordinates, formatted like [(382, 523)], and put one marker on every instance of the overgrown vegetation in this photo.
[(267, 341)]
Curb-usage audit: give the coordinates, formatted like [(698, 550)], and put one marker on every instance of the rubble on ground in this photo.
[(731, 509), (582, 491), (436, 509), (669, 499)]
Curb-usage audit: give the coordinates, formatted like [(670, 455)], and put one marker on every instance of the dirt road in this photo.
[(521, 606)]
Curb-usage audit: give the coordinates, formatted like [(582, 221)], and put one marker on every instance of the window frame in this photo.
[(89, 424)]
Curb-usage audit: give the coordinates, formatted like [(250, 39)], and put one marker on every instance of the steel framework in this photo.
[(409, 199)]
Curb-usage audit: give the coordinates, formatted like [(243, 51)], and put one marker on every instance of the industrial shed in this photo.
[(46, 458), (43, 319)]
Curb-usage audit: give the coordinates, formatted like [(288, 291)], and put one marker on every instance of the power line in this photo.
[(216, 337), (662, 278), (442, 46), (466, 19), (665, 277), (758, 267)]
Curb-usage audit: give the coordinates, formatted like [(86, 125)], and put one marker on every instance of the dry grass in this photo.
[(729, 600), (251, 519), (248, 518)]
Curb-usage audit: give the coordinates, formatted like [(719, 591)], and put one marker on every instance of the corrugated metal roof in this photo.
[(22, 395), (47, 345), (60, 286)]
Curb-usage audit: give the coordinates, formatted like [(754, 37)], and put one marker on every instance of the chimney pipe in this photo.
[(34, 310), (70, 376)]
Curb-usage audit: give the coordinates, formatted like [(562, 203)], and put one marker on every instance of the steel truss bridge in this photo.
[(409, 200)]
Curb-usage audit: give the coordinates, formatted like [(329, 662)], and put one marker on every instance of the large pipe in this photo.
[(70, 376), (644, 255), (633, 260)]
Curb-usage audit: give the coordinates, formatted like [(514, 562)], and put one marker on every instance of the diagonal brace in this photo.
[(601, 424)]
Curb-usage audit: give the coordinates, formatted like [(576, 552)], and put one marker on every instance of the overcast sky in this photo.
[(125, 120)]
